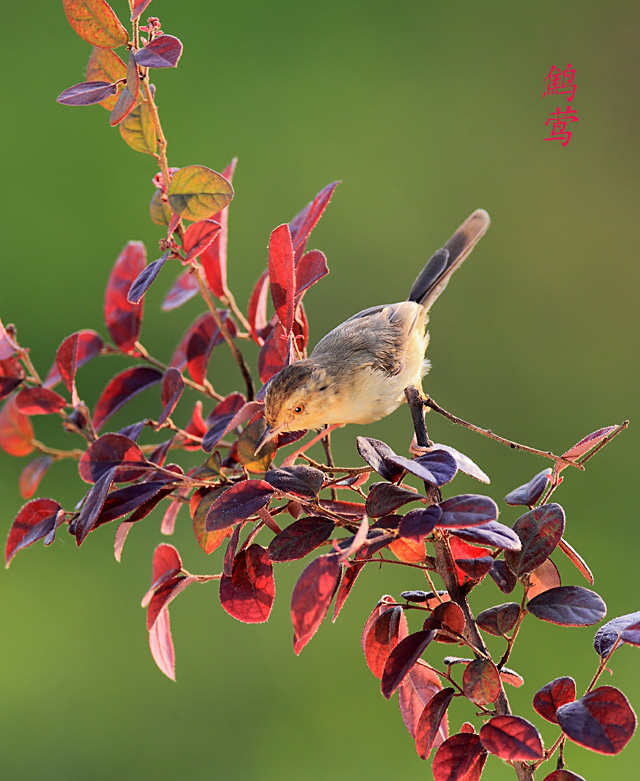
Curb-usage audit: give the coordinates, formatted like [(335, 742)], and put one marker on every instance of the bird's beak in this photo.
[(267, 436)]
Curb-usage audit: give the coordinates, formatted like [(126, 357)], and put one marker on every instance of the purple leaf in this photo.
[(162, 52), (92, 505), (540, 530), (491, 533), (121, 389), (378, 455), (602, 720), (300, 538), (568, 606), (609, 634), (402, 659), (386, 498), (220, 418), (529, 493), (437, 467), (418, 524), (502, 576), (465, 464), (35, 521), (172, 387), (467, 510), (183, 289), (302, 482), (238, 503), (87, 93), (311, 267), (143, 281)]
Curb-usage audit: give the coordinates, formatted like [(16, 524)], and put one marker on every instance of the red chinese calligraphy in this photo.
[(561, 82), (560, 119)]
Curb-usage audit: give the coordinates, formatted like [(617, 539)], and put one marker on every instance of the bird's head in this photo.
[(297, 398)]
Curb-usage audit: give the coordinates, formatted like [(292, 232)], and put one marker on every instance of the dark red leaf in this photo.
[(384, 634), (385, 603), (563, 775), (346, 584), (419, 686), (300, 538), (430, 720), (39, 401), (183, 289), (143, 281), (32, 474), (385, 498), (166, 564), (301, 482), (446, 616), (122, 318), (304, 222), (199, 236), (128, 96), (109, 451), (610, 633), (402, 659), (194, 350), (481, 682), (602, 720), (512, 738), (34, 521), (568, 606), (92, 505), (585, 445), (8, 345), (576, 559), (540, 530), (248, 594), (311, 267), (238, 503), (378, 455), (475, 568), (121, 389), (274, 354), (462, 550), (311, 598), (125, 500), (282, 275), (75, 351), (220, 418), (11, 374), (500, 619), (460, 758), (418, 524), (138, 8), (162, 52), (214, 258), (468, 510), (551, 696), (16, 431), (529, 493), (172, 387), (353, 511), (257, 312)]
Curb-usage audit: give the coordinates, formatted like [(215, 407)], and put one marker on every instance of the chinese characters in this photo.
[(561, 83)]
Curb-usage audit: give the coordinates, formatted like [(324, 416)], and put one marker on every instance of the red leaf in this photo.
[(388, 629), (448, 617), (201, 342), (576, 559), (125, 500), (220, 418), (166, 564), (563, 775), (8, 345), (402, 659), (121, 389), (16, 431), (11, 375), (543, 578), (143, 281), (344, 589), (172, 387), (305, 221), (95, 22), (282, 275), (32, 474), (462, 550), (540, 530), (238, 503), (39, 401), (311, 267), (311, 598), (161, 645), (76, 350), (35, 520), (274, 355), (551, 696), (128, 97), (257, 313), (512, 738), (420, 685), (568, 606), (248, 594), (460, 758), (122, 318), (214, 258), (183, 289), (162, 52), (491, 533), (300, 538), (386, 603), (113, 451), (429, 723), (138, 8), (602, 720), (585, 445), (300, 482), (500, 619), (481, 682), (198, 237)]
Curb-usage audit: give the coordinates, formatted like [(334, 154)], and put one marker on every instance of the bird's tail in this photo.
[(433, 278)]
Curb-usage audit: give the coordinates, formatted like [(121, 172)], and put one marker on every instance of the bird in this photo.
[(357, 373)]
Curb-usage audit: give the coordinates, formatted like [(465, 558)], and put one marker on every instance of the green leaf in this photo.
[(138, 131), (196, 192), (159, 210)]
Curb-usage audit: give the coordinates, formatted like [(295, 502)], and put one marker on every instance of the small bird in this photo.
[(358, 372)]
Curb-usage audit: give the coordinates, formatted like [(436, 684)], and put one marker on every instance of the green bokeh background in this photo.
[(425, 111)]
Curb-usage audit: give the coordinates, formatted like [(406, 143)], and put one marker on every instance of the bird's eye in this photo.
[(298, 409)]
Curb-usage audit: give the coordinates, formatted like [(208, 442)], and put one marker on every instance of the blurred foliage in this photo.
[(425, 111)]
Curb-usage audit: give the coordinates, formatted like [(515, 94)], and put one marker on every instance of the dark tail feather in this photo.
[(434, 277)]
